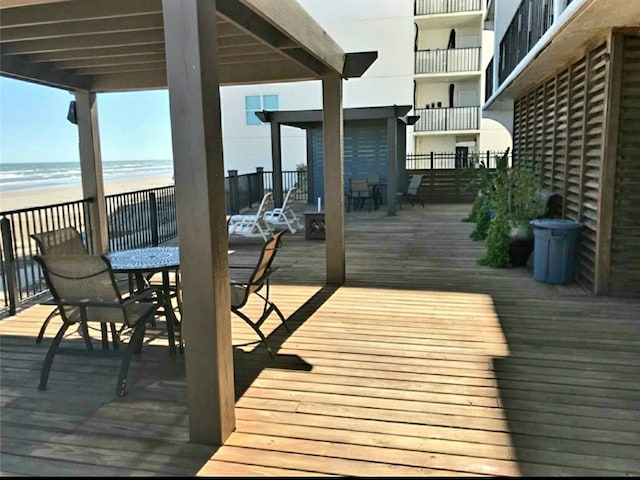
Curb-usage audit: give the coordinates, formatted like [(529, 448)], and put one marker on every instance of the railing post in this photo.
[(260, 172), (153, 213), (234, 191), (9, 265), (431, 157), (488, 165)]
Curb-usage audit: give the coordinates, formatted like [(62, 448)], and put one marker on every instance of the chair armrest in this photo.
[(142, 295)]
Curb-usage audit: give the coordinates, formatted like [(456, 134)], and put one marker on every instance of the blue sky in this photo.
[(34, 126)]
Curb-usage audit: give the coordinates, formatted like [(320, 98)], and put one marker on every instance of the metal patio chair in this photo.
[(359, 193), (85, 291), (412, 191), (258, 284)]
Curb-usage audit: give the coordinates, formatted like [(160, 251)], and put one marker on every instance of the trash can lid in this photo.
[(555, 223)]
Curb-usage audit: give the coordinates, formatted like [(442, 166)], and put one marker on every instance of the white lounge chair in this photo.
[(252, 225), (284, 216)]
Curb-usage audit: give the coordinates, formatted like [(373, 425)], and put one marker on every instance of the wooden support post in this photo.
[(392, 162), (153, 219), (9, 265), (333, 178), (608, 162), (234, 191), (91, 168), (276, 159), (191, 42)]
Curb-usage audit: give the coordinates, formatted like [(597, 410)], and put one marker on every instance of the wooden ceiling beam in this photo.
[(84, 42), (73, 10), (15, 67), (97, 53), (105, 61), (86, 27)]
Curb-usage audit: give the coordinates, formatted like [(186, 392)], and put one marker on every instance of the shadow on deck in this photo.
[(423, 363)]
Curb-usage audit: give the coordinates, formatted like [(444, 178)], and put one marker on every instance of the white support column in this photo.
[(91, 167), (194, 95), (333, 178)]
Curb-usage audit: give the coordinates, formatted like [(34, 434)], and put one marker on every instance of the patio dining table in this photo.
[(143, 261)]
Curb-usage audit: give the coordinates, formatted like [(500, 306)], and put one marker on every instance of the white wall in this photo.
[(357, 25)]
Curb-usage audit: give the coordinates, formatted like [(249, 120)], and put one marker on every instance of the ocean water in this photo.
[(29, 176)]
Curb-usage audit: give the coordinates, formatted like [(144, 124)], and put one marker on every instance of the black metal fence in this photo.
[(21, 278), (452, 160), (134, 220)]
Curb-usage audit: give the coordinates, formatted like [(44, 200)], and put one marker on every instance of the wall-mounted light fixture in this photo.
[(71, 114), (606, 56)]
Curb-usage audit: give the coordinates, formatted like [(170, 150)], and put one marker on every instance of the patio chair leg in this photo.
[(256, 328), (84, 331), (46, 366), (45, 324), (135, 344)]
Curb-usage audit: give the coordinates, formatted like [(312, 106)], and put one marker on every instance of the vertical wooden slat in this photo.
[(608, 154)]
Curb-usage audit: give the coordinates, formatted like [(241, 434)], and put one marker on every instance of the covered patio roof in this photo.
[(119, 45), (190, 47)]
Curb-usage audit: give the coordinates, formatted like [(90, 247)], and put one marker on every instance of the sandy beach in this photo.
[(48, 196)]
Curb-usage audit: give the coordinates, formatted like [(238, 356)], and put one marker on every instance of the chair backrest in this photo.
[(64, 241), (292, 191), (414, 185), (359, 187), (263, 205), (83, 279), (263, 267)]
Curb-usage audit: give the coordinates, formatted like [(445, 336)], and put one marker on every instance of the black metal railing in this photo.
[(134, 220), (21, 278), (449, 160), (447, 60), (488, 81), (530, 22), (447, 119), (290, 178), (431, 7), (142, 218)]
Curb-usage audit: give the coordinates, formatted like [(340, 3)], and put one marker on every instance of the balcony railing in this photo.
[(447, 119), (488, 81), (529, 24), (431, 7), (448, 60)]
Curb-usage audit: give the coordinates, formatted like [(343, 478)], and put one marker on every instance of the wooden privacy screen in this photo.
[(559, 127)]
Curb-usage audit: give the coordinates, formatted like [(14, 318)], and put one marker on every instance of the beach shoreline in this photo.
[(19, 199)]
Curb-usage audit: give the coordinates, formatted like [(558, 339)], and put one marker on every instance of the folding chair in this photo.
[(412, 190), (85, 290), (252, 225), (258, 284), (284, 216)]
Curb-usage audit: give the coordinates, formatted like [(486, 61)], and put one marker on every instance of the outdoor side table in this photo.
[(314, 225)]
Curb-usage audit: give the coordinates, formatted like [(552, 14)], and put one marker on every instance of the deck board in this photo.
[(423, 363)]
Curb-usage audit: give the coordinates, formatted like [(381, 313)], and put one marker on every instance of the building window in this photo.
[(257, 103)]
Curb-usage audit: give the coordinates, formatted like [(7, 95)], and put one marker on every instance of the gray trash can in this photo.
[(555, 250)]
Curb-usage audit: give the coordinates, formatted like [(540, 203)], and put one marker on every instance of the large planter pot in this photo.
[(519, 251), (521, 243)]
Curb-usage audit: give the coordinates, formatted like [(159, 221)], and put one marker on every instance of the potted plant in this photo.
[(513, 197)]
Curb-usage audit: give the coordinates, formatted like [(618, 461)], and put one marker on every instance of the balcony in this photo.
[(447, 60), (434, 7), (447, 119), (528, 25)]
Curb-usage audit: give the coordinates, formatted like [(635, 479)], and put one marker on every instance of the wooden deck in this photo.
[(422, 364)]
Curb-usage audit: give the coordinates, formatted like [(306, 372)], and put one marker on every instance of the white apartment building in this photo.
[(451, 53), (565, 80), (388, 26)]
